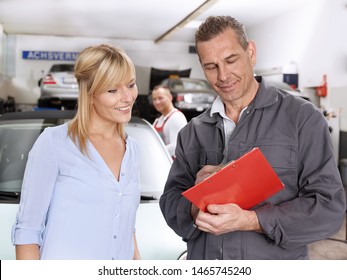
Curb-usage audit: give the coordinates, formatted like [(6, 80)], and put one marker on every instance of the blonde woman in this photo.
[(81, 186)]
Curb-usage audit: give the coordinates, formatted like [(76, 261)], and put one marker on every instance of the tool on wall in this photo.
[(322, 90)]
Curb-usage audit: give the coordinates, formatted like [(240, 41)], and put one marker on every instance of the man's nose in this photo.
[(222, 73)]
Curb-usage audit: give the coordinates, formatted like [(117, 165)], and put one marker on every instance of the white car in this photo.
[(18, 132), (59, 88)]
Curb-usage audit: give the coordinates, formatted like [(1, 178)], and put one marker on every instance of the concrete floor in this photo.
[(334, 248)]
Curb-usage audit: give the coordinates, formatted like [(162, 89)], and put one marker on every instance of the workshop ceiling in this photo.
[(131, 19)]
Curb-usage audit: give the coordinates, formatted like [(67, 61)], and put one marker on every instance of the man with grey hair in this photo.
[(292, 134)]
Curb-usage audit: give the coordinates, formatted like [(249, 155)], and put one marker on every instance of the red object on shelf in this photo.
[(322, 90)]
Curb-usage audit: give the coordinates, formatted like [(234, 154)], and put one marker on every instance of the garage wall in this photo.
[(5, 81), (2, 42), (314, 39), (25, 73)]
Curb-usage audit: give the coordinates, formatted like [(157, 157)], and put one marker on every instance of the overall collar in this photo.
[(266, 96)]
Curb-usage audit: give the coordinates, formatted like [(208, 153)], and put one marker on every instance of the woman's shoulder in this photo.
[(54, 133), (51, 137), (57, 130)]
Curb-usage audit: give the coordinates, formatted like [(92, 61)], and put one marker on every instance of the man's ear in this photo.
[(252, 52)]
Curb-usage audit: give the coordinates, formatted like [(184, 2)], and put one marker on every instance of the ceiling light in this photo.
[(193, 24), (203, 7)]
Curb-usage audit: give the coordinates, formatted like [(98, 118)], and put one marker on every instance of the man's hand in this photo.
[(206, 171), (226, 218), (220, 219)]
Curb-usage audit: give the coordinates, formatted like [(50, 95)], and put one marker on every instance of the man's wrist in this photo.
[(252, 222)]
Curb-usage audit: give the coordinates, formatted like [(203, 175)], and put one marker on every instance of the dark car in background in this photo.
[(59, 88), (19, 131), (190, 95)]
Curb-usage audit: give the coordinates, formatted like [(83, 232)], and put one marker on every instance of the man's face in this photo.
[(227, 66), (162, 100)]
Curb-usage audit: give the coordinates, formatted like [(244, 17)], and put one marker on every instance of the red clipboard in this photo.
[(246, 181)]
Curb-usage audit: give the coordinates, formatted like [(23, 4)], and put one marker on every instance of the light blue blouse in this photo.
[(72, 206)]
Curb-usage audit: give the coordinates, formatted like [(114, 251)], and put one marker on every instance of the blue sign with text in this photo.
[(50, 55)]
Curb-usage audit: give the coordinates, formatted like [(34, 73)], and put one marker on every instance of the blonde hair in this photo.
[(97, 69)]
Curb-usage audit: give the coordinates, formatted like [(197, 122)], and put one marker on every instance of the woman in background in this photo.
[(81, 186)]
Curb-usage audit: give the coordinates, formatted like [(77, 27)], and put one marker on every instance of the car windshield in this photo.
[(18, 136), (155, 162), (16, 140), (62, 68)]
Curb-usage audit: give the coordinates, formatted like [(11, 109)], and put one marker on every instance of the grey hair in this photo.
[(215, 25)]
